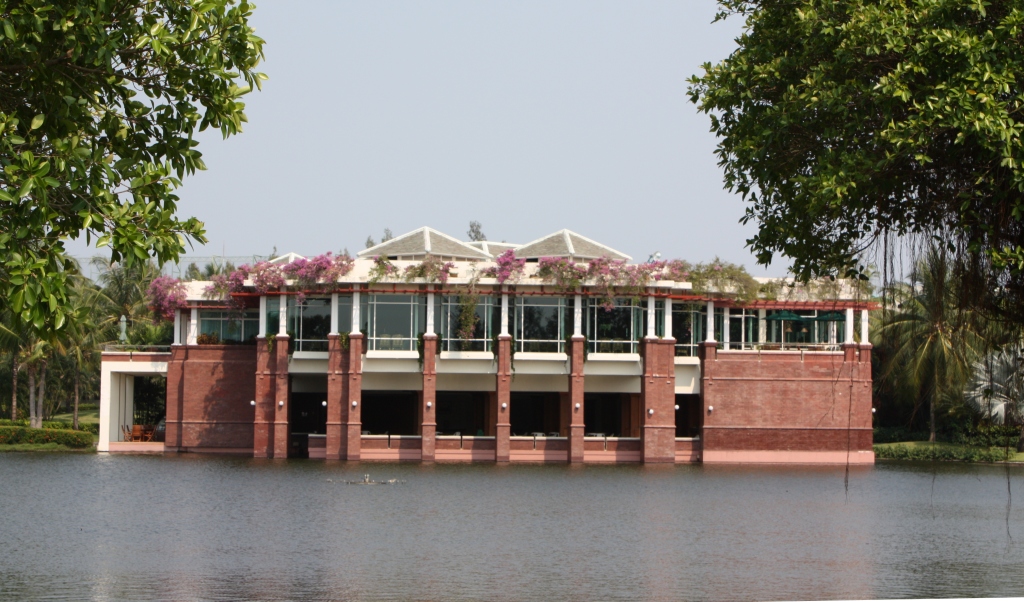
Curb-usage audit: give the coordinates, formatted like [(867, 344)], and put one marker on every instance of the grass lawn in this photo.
[(84, 417), (1017, 457), (45, 447)]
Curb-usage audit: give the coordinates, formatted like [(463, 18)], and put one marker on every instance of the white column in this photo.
[(177, 327), (355, 310), (710, 337), (107, 391), (725, 327), (334, 313), (668, 317), (865, 337), (504, 314), (849, 325), (651, 332), (762, 326), (577, 316), (193, 326), (831, 333), (263, 316), (282, 323), (430, 313)]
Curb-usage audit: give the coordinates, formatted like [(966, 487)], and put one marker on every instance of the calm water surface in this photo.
[(184, 527)]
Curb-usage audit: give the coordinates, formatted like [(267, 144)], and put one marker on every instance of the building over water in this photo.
[(429, 348)]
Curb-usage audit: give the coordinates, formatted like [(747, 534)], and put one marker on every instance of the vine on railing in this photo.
[(381, 270), (431, 269), (167, 295), (508, 268)]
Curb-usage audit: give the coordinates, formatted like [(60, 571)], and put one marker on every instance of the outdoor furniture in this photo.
[(137, 432), (126, 433)]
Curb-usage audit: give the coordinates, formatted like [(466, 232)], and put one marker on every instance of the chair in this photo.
[(136, 432), (147, 432), (126, 433)]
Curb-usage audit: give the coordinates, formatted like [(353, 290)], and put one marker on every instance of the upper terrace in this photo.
[(541, 293)]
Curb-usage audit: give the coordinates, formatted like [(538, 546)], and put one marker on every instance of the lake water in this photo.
[(187, 527)]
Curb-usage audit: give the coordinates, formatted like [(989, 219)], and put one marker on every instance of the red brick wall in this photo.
[(215, 386), (786, 401)]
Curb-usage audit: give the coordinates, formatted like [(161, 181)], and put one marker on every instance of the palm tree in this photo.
[(997, 387), (125, 292), (933, 339), (79, 341)]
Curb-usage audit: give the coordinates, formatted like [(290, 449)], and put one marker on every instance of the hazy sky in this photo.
[(527, 116)]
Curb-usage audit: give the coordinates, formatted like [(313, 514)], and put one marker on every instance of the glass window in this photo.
[(344, 313), (487, 314), (616, 329), (309, 323), (394, 322), (540, 324), (228, 327), (273, 316), (688, 325)]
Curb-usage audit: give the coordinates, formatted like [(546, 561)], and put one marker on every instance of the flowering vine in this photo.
[(508, 268), (382, 269), (431, 269), (312, 274), (167, 295), (564, 273)]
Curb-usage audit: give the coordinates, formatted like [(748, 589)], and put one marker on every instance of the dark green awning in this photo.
[(786, 315), (832, 316)]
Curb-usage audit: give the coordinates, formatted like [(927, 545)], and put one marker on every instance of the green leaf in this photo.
[(37, 121)]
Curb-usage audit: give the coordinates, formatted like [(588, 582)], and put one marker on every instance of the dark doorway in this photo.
[(531, 413), (607, 413), (307, 413), (688, 416), (462, 412), (390, 412)]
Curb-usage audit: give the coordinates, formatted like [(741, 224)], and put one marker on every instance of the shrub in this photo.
[(940, 453), (10, 435), (897, 434)]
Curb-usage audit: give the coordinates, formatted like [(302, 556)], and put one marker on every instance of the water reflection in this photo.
[(185, 527)]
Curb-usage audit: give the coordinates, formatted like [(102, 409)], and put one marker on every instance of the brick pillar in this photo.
[(657, 392), (708, 352), (849, 352), (175, 397), (576, 426), (351, 415), (282, 430), (337, 368), (503, 395), (428, 424), (266, 385)]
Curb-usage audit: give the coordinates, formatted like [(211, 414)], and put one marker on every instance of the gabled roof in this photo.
[(424, 241), (285, 259), (566, 243), (493, 248)]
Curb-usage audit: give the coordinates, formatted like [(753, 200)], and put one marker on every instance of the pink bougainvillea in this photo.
[(678, 270), (322, 269), (508, 268), (566, 275), (431, 269), (166, 296)]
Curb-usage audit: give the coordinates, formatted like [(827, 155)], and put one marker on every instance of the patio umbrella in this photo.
[(785, 315), (831, 316)]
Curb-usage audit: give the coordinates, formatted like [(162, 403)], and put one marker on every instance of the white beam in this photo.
[(282, 324), (504, 314), (668, 317), (710, 336), (577, 316), (334, 313), (849, 326), (263, 316), (355, 310), (865, 337)]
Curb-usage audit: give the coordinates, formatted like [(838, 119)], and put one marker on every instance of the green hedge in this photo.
[(943, 453), (23, 434), (55, 424)]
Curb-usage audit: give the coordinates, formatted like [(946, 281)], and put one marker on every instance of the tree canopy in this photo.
[(99, 104), (844, 121)]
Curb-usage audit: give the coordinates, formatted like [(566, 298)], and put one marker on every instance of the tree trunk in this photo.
[(1020, 441), (40, 399), (931, 420), (31, 395), (74, 414), (14, 388)]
